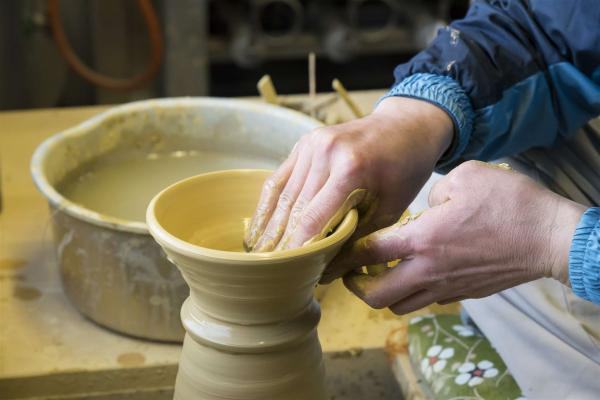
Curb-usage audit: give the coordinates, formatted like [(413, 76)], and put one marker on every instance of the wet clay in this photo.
[(123, 186), (359, 199), (355, 198), (251, 318), (26, 293), (12, 263), (133, 359)]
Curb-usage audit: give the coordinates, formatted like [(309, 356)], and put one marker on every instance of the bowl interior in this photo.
[(211, 210), (105, 170)]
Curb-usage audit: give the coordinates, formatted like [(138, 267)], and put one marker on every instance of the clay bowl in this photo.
[(251, 317), (204, 218), (111, 269), (206, 215)]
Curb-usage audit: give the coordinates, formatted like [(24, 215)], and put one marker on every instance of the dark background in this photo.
[(217, 48)]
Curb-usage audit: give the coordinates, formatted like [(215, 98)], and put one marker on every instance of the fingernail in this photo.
[(249, 238)]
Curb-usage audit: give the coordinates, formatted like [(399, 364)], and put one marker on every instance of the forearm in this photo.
[(450, 98), (584, 257), (511, 75), (433, 125)]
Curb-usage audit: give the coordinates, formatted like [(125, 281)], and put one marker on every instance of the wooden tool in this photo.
[(312, 82), (267, 90), (343, 93), (316, 109)]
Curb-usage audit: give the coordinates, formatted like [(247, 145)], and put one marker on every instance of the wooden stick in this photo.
[(0, 186), (323, 103), (312, 82), (267, 90), (343, 93)]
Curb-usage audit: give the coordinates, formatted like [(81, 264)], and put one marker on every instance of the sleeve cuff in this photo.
[(447, 94), (584, 257)]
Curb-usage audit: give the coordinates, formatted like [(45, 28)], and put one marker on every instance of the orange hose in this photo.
[(107, 82)]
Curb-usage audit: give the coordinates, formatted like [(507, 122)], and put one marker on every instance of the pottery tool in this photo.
[(316, 109), (0, 186), (268, 93), (323, 104), (312, 81), (343, 93), (267, 90)]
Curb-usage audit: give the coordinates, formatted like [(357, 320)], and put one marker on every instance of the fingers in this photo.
[(376, 218), (455, 299), (414, 302), (279, 218), (391, 243), (268, 200), (389, 287), (403, 288), (320, 210), (317, 177)]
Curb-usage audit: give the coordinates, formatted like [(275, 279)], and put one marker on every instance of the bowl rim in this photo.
[(61, 203), (343, 231)]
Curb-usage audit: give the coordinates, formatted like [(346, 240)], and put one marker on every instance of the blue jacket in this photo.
[(514, 75)]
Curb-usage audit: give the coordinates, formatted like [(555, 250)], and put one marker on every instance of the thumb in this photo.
[(387, 244)]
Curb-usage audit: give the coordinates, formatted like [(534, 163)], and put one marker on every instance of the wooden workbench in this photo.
[(48, 349)]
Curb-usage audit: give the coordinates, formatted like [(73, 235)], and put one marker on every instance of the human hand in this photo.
[(390, 153), (488, 229)]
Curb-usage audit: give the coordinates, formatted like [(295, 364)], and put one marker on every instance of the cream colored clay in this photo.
[(251, 317), (123, 187), (359, 198), (354, 199), (376, 269)]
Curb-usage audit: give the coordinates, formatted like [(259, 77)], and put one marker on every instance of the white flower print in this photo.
[(473, 375), (419, 318), (464, 330), (427, 330), (435, 360)]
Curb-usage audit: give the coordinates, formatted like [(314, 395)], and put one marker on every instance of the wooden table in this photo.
[(48, 349)]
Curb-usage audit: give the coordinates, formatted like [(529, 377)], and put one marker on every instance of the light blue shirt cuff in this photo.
[(584, 257), (447, 94)]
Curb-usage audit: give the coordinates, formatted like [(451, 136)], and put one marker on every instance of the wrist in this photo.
[(563, 228), (433, 125)]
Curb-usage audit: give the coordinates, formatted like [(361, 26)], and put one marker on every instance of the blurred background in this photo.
[(69, 53)]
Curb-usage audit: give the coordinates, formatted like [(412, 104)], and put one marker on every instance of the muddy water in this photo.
[(122, 187)]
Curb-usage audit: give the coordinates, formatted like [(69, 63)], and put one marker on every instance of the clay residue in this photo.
[(12, 263), (26, 293), (133, 359), (397, 340), (384, 314), (350, 353), (12, 277)]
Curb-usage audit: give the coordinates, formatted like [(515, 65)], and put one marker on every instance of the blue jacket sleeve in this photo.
[(584, 257), (512, 75)]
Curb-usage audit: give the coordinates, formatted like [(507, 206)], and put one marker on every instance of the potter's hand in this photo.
[(390, 153), (488, 229)]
